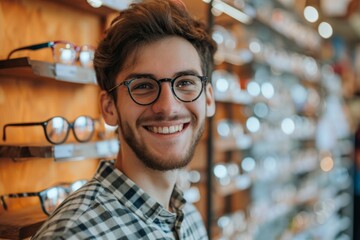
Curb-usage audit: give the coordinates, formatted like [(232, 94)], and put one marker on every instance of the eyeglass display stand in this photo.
[(63, 152), (19, 224), (25, 67)]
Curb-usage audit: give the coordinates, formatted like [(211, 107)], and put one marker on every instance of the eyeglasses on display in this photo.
[(50, 198), (57, 128), (145, 89), (64, 52)]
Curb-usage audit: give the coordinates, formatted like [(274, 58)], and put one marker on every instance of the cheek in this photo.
[(123, 108), (129, 112), (198, 108)]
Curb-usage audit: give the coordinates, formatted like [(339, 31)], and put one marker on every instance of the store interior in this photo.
[(279, 159)]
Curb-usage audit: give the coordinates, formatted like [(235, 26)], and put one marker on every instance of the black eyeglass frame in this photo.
[(45, 123), (127, 83), (50, 44), (40, 194)]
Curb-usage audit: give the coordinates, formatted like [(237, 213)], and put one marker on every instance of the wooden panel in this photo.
[(197, 8), (25, 100), (85, 6), (20, 225), (24, 22)]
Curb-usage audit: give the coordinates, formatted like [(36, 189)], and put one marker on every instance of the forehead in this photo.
[(163, 58)]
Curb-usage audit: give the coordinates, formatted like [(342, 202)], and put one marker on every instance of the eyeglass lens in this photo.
[(83, 128), (146, 90), (86, 56), (57, 129), (54, 196), (66, 53)]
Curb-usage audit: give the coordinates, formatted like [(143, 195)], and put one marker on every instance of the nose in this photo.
[(167, 103)]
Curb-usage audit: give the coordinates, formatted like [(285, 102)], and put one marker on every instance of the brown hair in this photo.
[(144, 23)]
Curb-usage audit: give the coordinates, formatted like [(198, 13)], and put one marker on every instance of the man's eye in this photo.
[(185, 83), (146, 85), (143, 86)]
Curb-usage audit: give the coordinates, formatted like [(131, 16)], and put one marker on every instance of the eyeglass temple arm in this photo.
[(20, 195), (3, 202), (19, 125), (17, 195), (32, 47)]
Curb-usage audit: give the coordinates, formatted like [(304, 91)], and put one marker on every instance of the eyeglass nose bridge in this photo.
[(171, 81)]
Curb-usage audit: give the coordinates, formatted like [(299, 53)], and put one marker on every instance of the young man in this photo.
[(152, 67)]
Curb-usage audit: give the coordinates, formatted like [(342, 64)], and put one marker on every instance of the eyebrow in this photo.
[(137, 75)]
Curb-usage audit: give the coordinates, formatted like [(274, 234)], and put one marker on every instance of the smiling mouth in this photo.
[(166, 129)]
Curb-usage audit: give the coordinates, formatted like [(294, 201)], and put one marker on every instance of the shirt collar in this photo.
[(133, 197)]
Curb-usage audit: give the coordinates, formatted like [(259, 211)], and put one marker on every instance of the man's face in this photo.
[(163, 135)]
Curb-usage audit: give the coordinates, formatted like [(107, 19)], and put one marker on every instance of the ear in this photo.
[(210, 101), (108, 109)]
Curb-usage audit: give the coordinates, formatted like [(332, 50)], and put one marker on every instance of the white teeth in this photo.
[(167, 130), (164, 130), (172, 129)]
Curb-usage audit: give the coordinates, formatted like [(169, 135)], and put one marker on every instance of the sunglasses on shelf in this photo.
[(64, 52), (57, 128), (50, 198)]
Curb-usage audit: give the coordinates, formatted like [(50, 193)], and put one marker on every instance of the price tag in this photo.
[(65, 72), (114, 146), (64, 151), (103, 149), (76, 74)]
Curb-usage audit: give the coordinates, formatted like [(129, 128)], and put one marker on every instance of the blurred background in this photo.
[(280, 159), (287, 87)]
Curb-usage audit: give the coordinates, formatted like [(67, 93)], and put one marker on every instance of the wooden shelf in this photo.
[(34, 69), (63, 152), (21, 224)]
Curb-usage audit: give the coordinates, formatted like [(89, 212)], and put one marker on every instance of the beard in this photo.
[(156, 162)]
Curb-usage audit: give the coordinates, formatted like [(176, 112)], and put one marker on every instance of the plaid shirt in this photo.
[(111, 206)]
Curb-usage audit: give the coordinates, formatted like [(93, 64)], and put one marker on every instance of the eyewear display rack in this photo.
[(34, 69), (40, 70), (21, 224), (63, 152), (269, 183), (36, 88)]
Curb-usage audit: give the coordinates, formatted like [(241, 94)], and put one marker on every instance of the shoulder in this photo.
[(85, 209)]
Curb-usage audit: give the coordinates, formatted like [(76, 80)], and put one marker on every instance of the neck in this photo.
[(158, 184)]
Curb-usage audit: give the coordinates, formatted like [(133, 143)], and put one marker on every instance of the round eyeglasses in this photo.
[(57, 129), (145, 90), (50, 198), (64, 52)]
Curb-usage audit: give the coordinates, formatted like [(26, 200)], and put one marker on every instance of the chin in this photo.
[(168, 164)]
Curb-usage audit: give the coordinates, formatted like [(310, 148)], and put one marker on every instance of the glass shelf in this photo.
[(63, 152), (25, 67)]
